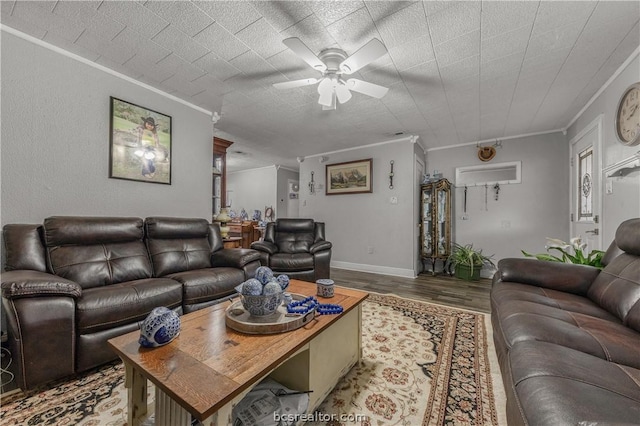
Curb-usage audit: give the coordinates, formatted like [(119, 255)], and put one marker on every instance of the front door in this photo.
[(586, 172)]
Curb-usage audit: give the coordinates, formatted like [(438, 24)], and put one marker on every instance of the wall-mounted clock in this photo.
[(628, 116)]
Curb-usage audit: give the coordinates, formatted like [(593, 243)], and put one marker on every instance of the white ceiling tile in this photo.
[(312, 33), (499, 17), (71, 47), (20, 24), (182, 85), (134, 15), (221, 42), (262, 38), (178, 65), (180, 44), (331, 11), (290, 64), (237, 98), (208, 101), (87, 16), (505, 44), (384, 76), (463, 69), (105, 62), (283, 14), (555, 39), (457, 49), (39, 14), (253, 64), (184, 15), (554, 14), (405, 25), (505, 65), (353, 31), (412, 53), (152, 74), (113, 51), (148, 49), (381, 9), (232, 15), (431, 7), (455, 21), (215, 66), (211, 84)]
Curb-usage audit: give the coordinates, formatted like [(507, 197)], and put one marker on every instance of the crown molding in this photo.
[(524, 135)]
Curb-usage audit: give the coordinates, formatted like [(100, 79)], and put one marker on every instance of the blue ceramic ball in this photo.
[(264, 274), (271, 287), (283, 280), (252, 287), (160, 327)]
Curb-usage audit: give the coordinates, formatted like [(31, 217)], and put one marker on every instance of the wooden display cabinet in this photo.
[(219, 175), (435, 222), (244, 230)]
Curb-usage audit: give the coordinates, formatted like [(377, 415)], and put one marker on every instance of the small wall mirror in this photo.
[(485, 174)]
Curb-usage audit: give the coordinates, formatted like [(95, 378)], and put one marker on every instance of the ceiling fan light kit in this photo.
[(333, 63)]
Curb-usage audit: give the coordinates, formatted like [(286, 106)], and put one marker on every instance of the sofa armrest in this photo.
[(320, 246), (234, 258), (265, 246), (27, 283), (565, 277)]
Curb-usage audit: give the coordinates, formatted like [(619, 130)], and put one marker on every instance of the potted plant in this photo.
[(467, 261)]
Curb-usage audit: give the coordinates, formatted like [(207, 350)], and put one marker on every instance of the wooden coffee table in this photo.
[(209, 367)]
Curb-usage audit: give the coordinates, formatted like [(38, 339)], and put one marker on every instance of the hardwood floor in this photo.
[(442, 289)]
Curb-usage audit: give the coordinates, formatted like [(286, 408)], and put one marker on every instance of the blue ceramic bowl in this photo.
[(263, 305)]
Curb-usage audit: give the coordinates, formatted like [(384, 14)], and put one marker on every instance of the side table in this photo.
[(232, 242)]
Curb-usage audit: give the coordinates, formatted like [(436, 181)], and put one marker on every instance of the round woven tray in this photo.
[(238, 319)]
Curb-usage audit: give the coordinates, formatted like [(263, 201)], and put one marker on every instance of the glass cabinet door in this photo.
[(427, 221)]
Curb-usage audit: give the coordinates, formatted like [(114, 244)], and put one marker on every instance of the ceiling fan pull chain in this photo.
[(486, 192)]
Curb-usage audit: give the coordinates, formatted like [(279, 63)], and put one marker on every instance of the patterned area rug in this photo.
[(422, 364)]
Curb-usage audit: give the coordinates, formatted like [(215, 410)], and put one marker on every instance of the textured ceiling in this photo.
[(458, 72)]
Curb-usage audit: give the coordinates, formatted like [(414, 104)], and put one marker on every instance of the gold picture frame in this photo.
[(351, 177)]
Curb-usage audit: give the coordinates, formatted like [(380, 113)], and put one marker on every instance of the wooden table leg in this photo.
[(136, 385)]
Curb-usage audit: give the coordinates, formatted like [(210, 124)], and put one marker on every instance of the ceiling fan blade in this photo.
[(326, 98), (325, 86), (342, 93), (333, 103), (366, 88), (301, 49), (295, 83), (363, 56)]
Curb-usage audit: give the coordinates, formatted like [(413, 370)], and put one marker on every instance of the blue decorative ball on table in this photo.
[(264, 274), (160, 327), (252, 287), (283, 280), (271, 287)]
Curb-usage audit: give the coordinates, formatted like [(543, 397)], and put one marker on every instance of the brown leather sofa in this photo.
[(296, 247), (568, 337), (72, 283)]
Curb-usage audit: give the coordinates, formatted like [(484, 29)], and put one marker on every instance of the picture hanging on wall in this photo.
[(139, 143), (353, 177)]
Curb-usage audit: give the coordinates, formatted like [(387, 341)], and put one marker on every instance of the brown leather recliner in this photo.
[(75, 282), (297, 248)]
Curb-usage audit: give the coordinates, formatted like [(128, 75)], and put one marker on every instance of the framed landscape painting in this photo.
[(139, 143), (353, 177)]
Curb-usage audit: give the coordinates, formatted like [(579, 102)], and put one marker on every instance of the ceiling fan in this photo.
[(333, 64)]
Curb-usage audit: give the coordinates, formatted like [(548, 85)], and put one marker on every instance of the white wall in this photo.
[(525, 213), (55, 142), (253, 189), (624, 202), (356, 222)]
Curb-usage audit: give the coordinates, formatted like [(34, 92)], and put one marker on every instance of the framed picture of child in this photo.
[(139, 143)]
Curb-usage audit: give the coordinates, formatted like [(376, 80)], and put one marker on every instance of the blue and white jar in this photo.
[(325, 287)]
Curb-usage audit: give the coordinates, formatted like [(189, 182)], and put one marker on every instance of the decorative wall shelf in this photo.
[(624, 167), (489, 174)]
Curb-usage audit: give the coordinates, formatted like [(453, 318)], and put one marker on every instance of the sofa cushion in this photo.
[(609, 340), (617, 288), (96, 251), (505, 293), (203, 285), (292, 262), (556, 385), (178, 244), (101, 308)]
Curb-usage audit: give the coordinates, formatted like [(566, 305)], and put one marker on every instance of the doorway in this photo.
[(586, 178), (418, 172)]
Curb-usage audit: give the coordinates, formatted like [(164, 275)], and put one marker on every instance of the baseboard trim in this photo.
[(384, 270)]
